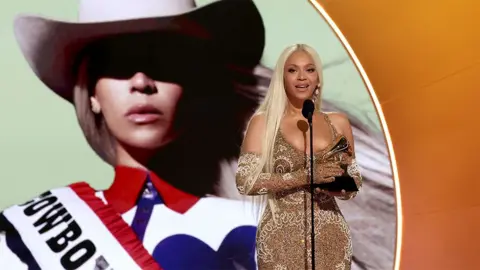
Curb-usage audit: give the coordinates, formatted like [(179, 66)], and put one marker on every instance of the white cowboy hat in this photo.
[(51, 47)]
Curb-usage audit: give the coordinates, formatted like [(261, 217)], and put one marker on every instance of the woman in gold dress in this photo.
[(274, 165)]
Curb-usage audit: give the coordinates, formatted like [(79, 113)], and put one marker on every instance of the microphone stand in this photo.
[(310, 124)]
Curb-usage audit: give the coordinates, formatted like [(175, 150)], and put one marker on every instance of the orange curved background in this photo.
[(422, 59)]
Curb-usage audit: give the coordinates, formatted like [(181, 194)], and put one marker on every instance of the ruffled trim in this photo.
[(117, 226)]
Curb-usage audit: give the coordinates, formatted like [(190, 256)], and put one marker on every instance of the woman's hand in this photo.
[(326, 172)]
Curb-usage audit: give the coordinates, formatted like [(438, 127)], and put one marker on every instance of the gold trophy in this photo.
[(344, 182), (341, 145)]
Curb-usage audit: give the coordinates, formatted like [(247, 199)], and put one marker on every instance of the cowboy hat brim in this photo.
[(51, 47)]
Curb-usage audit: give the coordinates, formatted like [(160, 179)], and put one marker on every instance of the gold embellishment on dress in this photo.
[(353, 169), (262, 191), (265, 182), (282, 164), (285, 244), (247, 163)]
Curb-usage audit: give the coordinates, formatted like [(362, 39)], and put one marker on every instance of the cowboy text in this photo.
[(62, 233)]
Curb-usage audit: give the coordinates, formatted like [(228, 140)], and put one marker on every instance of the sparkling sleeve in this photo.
[(266, 182), (353, 171)]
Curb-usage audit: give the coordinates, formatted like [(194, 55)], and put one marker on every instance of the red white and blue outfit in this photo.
[(140, 222)]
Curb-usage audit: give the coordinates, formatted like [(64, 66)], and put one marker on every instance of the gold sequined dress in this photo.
[(284, 244)]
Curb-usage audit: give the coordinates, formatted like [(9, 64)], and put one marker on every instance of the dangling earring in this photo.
[(316, 93), (95, 106), (95, 109)]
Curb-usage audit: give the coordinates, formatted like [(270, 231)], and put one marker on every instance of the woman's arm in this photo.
[(266, 182), (353, 172), (249, 161), (342, 125)]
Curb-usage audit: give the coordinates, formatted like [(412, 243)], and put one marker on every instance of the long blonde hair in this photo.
[(273, 108)]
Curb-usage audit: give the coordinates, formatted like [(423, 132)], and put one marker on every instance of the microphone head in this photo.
[(308, 108)]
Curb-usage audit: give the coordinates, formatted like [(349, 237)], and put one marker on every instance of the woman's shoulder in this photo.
[(336, 116), (257, 119), (252, 141), (338, 119)]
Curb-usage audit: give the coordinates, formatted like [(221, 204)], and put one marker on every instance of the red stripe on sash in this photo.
[(117, 226)]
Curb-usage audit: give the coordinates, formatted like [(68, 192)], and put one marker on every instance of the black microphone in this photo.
[(307, 109)]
